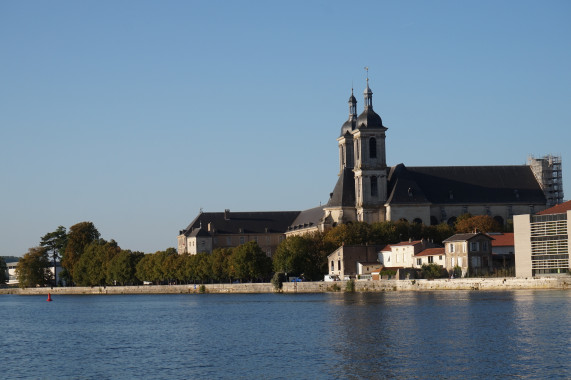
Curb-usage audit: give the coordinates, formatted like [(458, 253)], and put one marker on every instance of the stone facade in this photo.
[(471, 252)]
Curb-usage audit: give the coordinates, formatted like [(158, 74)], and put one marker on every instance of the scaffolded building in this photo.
[(547, 171)]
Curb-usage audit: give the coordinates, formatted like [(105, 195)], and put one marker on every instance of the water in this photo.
[(446, 334)]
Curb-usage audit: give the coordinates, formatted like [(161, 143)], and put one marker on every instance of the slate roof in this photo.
[(242, 222), (343, 194), (464, 185), (561, 208), (307, 218), (464, 237)]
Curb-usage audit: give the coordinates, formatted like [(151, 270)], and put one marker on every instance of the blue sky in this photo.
[(134, 115)]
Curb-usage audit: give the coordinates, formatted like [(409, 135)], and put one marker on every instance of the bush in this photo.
[(202, 289), (278, 280), (350, 286), (431, 271)]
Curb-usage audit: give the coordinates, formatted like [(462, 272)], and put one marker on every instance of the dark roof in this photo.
[(307, 218), (557, 209), (243, 222), (369, 119), (344, 193), (464, 185), (465, 237)]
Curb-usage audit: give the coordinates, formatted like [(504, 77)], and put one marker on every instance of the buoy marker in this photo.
[(49, 297)]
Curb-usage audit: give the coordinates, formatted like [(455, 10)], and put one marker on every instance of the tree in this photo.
[(91, 269), (123, 267), (481, 223), (219, 264), (55, 243), (3, 272), (249, 262), (80, 236), (32, 269)]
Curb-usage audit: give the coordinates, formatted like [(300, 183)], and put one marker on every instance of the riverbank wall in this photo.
[(314, 287)]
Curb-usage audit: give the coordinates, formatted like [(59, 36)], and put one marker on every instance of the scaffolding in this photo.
[(547, 171)]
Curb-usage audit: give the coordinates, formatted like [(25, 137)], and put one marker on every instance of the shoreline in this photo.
[(563, 282)]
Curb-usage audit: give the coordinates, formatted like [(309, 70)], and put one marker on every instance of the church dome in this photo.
[(369, 119), (348, 126)]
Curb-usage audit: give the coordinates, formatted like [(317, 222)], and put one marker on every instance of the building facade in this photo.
[(542, 242), (211, 230), (471, 252)]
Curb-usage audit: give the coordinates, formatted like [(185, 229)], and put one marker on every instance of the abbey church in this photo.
[(368, 190)]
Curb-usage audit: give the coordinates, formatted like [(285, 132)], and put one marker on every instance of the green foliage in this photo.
[(122, 268), (3, 272), (33, 268), (80, 236), (92, 267), (249, 262), (55, 243), (388, 273), (278, 280), (431, 271), (350, 286), (457, 272), (219, 262), (202, 289)]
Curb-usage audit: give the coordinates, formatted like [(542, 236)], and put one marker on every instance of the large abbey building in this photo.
[(370, 191)]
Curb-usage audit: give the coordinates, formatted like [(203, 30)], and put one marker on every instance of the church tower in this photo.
[(370, 165), (361, 190)]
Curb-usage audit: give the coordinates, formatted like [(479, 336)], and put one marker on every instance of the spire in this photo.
[(368, 93), (352, 106)]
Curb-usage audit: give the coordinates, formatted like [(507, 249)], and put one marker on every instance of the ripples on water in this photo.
[(447, 334)]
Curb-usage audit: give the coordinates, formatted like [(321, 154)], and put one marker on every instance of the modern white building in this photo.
[(542, 242)]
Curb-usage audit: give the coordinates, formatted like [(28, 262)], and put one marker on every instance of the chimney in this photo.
[(227, 214)]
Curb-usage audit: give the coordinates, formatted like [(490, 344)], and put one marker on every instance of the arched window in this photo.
[(433, 220), (374, 187), (452, 221), (372, 147), (417, 221), (499, 219)]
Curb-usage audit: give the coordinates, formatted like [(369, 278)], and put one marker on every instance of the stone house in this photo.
[(345, 260), (472, 252)]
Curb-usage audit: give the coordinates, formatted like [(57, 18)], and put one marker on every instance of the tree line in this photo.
[(89, 260)]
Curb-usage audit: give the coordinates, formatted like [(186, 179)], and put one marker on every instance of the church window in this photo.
[(374, 187), (373, 148)]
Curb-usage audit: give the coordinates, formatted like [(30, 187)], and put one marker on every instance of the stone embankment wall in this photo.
[(315, 287)]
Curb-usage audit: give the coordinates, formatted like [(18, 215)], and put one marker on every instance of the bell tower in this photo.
[(370, 166)]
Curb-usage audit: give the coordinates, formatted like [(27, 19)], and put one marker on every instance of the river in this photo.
[(520, 334)]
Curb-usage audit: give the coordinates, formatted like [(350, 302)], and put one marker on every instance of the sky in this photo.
[(136, 115)]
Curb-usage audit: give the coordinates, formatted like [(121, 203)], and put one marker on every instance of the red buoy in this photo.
[(49, 297)]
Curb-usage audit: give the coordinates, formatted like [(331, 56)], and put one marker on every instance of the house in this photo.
[(542, 242), (402, 254), (347, 260), (471, 252), (430, 256)]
